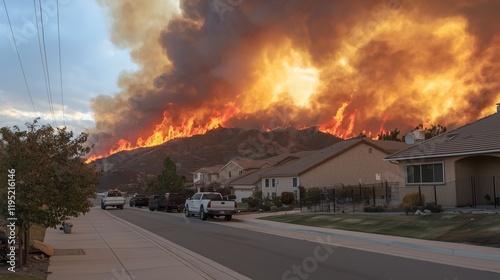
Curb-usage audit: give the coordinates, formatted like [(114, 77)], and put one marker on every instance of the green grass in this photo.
[(477, 229)]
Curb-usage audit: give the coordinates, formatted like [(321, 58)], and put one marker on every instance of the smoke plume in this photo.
[(344, 66)]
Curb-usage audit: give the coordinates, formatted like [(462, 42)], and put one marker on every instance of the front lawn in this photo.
[(477, 229)]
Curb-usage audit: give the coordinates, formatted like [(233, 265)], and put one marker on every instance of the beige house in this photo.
[(250, 181), (457, 168), (350, 162), (245, 185), (206, 175), (235, 168)]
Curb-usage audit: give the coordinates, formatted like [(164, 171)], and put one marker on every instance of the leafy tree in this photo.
[(432, 131), (391, 135), (168, 179), (147, 184), (47, 172)]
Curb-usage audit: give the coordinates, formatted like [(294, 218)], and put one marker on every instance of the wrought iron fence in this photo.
[(348, 198), (476, 192)]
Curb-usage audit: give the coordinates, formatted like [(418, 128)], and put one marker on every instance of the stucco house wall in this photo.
[(283, 184), (456, 170), (358, 164), (230, 171)]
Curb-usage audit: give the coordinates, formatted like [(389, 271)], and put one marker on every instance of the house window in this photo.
[(295, 182), (266, 183), (273, 194), (241, 172), (273, 182), (425, 173), (229, 174)]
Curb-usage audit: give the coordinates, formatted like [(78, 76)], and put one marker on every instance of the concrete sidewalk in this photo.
[(102, 246)]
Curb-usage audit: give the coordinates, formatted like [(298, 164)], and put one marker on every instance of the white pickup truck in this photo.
[(113, 198), (209, 204)]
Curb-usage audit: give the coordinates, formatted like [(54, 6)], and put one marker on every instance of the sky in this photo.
[(90, 63)]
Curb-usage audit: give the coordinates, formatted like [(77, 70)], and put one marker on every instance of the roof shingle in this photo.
[(479, 137)]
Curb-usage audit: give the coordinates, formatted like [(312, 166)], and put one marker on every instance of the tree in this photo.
[(391, 135), (168, 179), (48, 178), (432, 131)]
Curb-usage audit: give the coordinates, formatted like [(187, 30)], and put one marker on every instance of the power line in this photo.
[(19, 57), (60, 66), (45, 64)]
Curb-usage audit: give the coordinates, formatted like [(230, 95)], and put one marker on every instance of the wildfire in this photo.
[(164, 131), (369, 72)]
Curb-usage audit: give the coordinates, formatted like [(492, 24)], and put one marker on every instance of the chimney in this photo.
[(498, 107)]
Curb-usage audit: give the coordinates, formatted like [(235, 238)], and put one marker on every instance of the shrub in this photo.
[(413, 199), (274, 208), (277, 201), (313, 192), (265, 207), (287, 198), (431, 206), (251, 201)]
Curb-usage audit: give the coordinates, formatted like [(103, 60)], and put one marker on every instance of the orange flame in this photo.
[(164, 132)]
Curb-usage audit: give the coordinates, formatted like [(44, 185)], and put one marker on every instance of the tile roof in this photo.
[(248, 163), (250, 178), (314, 159), (479, 137), (210, 169)]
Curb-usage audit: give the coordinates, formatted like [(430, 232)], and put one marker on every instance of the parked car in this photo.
[(210, 204), (113, 198), (139, 200), (167, 201)]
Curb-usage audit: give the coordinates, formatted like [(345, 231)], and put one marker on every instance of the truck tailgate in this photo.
[(222, 205)]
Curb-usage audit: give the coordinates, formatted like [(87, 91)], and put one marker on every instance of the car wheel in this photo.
[(152, 209), (228, 217), (120, 207), (203, 215), (186, 212), (102, 206)]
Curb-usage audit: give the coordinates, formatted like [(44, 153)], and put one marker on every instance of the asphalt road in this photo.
[(265, 256)]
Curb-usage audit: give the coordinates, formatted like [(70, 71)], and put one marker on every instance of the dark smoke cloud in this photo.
[(198, 62)]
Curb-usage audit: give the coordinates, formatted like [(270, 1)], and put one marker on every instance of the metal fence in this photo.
[(348, 198), (476, 192)]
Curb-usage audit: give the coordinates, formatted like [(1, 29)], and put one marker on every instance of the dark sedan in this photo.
[(139, 200)]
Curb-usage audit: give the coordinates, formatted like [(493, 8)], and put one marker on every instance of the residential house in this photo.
[(235, 168), (350, 162), (247, 184), (457, 168), (206, 175), (250, 181)]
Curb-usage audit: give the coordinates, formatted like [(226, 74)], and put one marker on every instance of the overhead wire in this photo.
[(60, 64), (49, 92), (19, 57)]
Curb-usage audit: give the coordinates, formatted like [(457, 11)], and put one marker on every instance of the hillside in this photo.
[(217, 146)]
